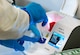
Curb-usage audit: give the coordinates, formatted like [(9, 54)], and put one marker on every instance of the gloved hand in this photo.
[(12, 44), (31, 39), (27, 38), (36, 38), (36, 12), (17, 45)]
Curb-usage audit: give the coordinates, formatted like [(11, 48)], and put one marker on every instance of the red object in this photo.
[(51, 25)]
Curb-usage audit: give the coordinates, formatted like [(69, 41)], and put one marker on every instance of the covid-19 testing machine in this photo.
[(65, 33)]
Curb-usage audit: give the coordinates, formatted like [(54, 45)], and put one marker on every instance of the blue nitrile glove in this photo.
[(27, 38), (36, 12), (12, 44), (31, 39)]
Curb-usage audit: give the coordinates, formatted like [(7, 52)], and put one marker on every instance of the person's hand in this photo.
[(37, 13), (17, 44), (13, 44), (27, 38), (31, 39)]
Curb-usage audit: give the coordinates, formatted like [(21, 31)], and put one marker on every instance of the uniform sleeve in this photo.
[(13, 21)]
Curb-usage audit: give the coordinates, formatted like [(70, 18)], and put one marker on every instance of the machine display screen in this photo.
[(56, 40)]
